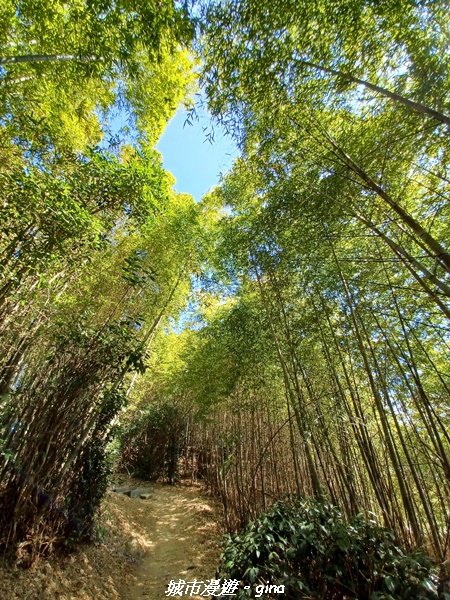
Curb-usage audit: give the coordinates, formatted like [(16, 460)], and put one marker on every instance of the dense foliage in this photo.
[(309, 547), (150, 445), (335, 240), (288, 334), (96, 248)]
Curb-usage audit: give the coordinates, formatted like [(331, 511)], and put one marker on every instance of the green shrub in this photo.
[(150, 446), (93, 468), (310, 548)]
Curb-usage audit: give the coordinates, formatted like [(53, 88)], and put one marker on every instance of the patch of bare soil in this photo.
[(145, 543)]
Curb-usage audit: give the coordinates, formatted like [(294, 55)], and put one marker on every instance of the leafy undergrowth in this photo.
[(310, 548)]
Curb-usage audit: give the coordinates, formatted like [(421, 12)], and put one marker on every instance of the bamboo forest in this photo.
[(245, 394)]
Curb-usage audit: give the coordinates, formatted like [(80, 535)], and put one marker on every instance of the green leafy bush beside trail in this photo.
[(315, 552), (150, 446)]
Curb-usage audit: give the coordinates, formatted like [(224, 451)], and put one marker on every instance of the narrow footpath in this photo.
[(180, 530)]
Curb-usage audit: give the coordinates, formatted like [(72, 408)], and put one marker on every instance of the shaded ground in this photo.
[(144, 544)]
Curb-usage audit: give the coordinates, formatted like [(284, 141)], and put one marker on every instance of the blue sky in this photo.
[(195, 162)]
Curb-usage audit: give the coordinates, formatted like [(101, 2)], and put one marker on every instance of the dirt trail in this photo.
[(180, 530), (172, 535)]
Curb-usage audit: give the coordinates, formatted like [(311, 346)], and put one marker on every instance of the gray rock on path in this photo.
[(143, 494), (137, 493), (133, 493)]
